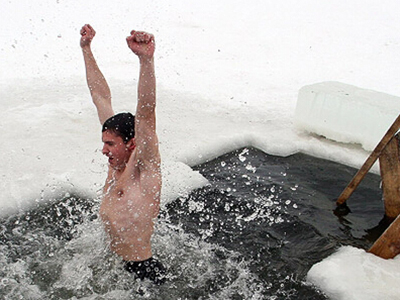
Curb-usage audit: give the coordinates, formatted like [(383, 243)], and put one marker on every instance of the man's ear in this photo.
[(131, 145)]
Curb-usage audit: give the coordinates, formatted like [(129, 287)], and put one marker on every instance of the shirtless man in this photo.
[(131, 195)]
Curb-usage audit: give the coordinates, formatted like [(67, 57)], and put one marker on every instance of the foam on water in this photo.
[(48, 260)]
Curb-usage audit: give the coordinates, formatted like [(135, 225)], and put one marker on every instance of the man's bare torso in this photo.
[(132, 191), (130, 204)]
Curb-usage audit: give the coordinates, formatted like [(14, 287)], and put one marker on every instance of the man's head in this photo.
[(118, 138), (122, 124)]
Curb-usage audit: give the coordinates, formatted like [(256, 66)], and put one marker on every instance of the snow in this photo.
[(228, 76), (352, 273)]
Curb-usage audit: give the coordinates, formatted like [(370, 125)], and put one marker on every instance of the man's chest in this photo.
[(124, 194)]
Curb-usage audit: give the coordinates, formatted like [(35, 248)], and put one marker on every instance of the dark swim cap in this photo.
[(122, 124)]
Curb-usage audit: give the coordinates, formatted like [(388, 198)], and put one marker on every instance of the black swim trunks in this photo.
[(149, 268)]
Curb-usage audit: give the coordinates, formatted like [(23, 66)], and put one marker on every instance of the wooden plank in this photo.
[(388, 244), (369, 162), (390, 172)]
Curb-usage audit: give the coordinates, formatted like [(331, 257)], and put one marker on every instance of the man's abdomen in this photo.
[(129, 232)]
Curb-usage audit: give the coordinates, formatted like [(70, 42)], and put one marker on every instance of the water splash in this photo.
[(61, 252)]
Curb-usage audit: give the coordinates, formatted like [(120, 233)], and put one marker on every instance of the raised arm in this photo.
[(143, 45), (99, 89)]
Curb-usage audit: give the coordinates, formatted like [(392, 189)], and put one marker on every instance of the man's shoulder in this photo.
[(139, 164)]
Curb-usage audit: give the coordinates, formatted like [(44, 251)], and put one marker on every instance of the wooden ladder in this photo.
[(387, 151)]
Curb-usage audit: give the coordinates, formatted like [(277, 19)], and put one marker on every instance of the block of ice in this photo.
[(352, 273), (346, 113)]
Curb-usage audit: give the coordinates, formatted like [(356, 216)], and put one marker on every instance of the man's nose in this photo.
[(105, 150)]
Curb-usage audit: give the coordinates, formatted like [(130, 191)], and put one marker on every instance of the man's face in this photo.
[(115, 149)]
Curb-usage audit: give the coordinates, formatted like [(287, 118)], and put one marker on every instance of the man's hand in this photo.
[(87, 33), (141, 43)]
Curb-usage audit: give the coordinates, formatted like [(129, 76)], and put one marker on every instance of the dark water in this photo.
[(253, 233)]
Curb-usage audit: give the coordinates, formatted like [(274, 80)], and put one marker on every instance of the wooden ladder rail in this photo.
[(388, 244), (368, 163)]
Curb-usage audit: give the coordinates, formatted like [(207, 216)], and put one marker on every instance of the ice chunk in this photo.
[(352, 273), (179, 180), (346, 113)]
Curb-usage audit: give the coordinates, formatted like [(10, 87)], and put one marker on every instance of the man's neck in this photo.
[(117, 172)]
